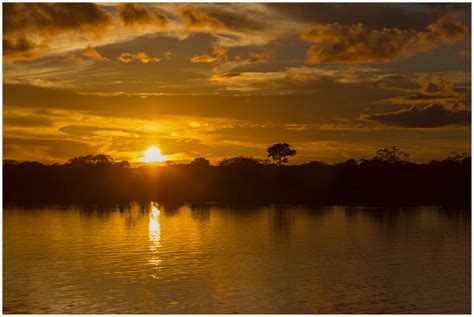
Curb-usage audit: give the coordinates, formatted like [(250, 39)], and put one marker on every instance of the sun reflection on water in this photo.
[(154, 233)]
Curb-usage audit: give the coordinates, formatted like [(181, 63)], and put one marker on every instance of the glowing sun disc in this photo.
[(153, 154)]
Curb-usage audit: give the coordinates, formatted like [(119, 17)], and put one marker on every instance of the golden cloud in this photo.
[(204, 59), (126, 58), (141, 57), (219, 54), (336, 43), (92, 53)]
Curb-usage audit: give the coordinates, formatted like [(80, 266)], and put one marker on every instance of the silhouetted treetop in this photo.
[(279, 152), (391, 155), (457, 157), (95, 160), (200, 162), (240, 162)]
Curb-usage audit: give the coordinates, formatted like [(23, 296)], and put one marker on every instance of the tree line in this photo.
[(387, 179)]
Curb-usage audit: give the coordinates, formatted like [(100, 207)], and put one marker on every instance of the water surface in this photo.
[(144, 258)]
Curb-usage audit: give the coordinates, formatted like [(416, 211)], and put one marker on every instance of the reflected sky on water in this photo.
[(152, 258)]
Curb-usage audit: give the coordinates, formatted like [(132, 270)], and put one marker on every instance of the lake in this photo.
[(148, 258)]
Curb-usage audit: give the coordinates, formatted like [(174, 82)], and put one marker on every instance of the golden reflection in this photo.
[(154, 234)]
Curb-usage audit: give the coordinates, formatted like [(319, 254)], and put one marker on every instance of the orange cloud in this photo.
[(197, 19), (301, 76), (336, 43), (126, 58), (224, 76), (133, 16), (141, 57), (219, 50), (204, 59), (92, 53), (219, 54)]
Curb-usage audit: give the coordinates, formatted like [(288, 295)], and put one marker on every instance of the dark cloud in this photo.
[(436, 89), (19, 48), (337, 43), (29, 26), (431, 116), (398, 81), (198, 19), (50, 18), (135, 15), (437, 86), (374, 15), (449, 30), (453, 10)]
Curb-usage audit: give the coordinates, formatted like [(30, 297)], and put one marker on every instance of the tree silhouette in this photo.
[(95, 160), (279, 152), (391, 155), (457, 157), (200, 162), (240, 162), (98, 178)]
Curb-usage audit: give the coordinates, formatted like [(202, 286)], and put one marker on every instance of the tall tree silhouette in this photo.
[(279, 152)]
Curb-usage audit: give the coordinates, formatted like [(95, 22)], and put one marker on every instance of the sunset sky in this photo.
[(336, 81)]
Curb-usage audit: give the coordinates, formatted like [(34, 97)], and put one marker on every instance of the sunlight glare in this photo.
[(153, 154), (154, 225)]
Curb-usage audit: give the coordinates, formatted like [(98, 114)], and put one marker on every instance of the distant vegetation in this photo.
[(387, 179)]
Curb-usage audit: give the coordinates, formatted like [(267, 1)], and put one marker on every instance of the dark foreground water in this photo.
[(152, 259)]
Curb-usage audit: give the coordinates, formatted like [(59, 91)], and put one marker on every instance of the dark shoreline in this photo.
[(371, 183)]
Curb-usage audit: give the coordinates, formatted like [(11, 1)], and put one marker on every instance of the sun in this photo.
[(153, 154)]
